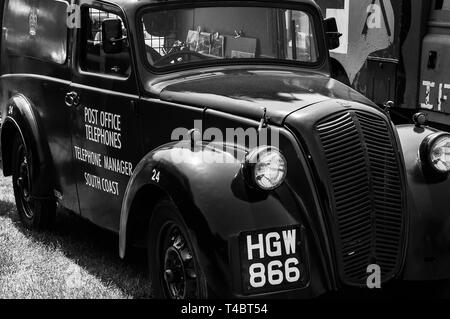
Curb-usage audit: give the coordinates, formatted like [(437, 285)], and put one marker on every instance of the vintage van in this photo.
[(212, 134)]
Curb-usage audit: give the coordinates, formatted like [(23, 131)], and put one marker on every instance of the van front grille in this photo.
[(367, 194)]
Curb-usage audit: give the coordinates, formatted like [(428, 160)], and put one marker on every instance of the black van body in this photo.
[(92, 131)]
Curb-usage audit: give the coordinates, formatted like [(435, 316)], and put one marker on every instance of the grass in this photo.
[(75, 260)]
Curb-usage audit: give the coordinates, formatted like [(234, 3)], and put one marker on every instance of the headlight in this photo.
[(435, 152), (266, 168)]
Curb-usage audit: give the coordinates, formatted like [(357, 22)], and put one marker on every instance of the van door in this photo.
[(435, 66), (103, 97)]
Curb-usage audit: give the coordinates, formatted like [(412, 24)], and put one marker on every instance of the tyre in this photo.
[(175, 271), (35, 214)]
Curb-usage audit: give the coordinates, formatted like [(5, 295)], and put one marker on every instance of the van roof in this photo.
[(127, 4)]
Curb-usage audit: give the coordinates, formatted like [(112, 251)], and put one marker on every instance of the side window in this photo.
[(93, 57), (300, 36)]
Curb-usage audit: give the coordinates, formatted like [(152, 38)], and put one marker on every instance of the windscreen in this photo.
[(195, 35)]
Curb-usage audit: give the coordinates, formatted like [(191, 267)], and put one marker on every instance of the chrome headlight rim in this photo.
[(426, 149), (251, 161)]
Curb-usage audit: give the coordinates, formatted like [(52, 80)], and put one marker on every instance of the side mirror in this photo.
[(112, 36), (333, 35)]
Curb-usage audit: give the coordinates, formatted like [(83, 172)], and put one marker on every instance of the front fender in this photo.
[(216, 203), (162, 169), (428, 250)]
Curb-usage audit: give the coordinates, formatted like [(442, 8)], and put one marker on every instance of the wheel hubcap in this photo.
[(180, 277), (23, 184)]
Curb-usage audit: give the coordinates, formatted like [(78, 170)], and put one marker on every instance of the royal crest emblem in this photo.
[(33, 20)]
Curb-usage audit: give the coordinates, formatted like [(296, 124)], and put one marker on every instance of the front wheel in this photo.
[(175, 271), (35, 213)]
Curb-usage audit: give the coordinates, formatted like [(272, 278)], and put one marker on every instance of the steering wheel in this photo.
[(179, 57)]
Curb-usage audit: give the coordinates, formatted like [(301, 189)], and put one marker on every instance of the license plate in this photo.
[(271, 260)]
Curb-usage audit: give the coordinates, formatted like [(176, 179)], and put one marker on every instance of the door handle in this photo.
[(72, 99)]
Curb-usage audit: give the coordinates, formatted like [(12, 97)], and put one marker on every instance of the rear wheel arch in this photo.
[(9, 130), (23, 119)]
